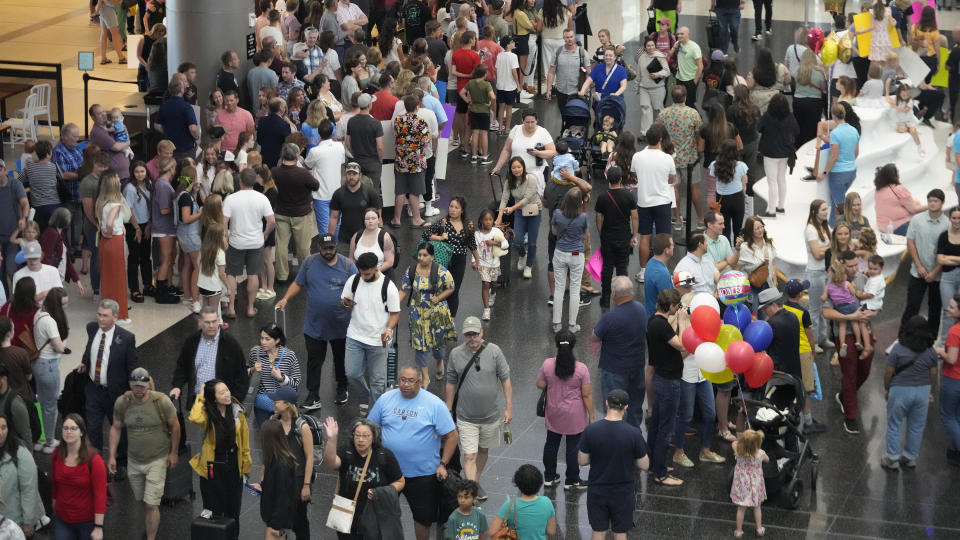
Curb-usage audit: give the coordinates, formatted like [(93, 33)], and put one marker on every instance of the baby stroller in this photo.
[(614, 107), (575, 127), (784, 442)]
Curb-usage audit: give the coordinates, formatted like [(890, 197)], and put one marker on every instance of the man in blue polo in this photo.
[(622, 332), (657, 275), (177, 121)]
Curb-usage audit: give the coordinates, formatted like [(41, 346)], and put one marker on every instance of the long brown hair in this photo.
[(84, 454), (834, 245), (822, 227), (212, 211), (276, 449), (211, 245), (716, 126), (53, 305)]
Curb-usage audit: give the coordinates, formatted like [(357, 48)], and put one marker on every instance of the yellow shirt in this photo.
[(521, 23), (804, 342)]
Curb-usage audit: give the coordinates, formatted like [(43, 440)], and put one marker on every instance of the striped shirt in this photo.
[(41, 179), (287, 363)]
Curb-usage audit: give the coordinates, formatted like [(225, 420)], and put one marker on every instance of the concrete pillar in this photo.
[(199, 31)]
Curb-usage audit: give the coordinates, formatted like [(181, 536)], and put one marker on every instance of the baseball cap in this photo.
[(664, 20), (618, 398), (717, 55), (365, 100), (284, 393), (140, 377), (442, 15), (472, 324), (31, 250), (217, 132), (327, 240), (683, 279), (768, 296), (353, 166), (796, 286)]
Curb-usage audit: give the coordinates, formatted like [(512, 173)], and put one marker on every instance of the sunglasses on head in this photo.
[(139, 378)]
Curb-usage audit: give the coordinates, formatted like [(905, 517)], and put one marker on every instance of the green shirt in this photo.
[(718, 249), (469, 527), (687, 57), (479, 91), (146, 430)]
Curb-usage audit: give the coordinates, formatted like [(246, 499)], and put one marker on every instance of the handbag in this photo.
[(758, 278), (542, 404), (341, 513), (441, 251), (506, 532)]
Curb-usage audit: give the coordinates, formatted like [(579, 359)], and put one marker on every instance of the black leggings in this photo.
[(732, 208), (614, 257), (301, 527), (458, 264), (138, 256), (222, 493), (317, 354)]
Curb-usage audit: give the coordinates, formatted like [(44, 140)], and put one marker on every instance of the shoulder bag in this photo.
[(758, 278), (506, 532), (454, 463), (343, 509)]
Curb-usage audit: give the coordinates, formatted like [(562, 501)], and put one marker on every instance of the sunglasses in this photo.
[(139, 378)]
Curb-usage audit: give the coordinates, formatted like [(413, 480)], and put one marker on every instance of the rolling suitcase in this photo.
[(214, 528), (179, 483), (713, 31)]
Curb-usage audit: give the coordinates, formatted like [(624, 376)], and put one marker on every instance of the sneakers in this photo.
[(474, 159), (342, 396), (481, 495), (550, 300), (768, 32), (38, 446), (757, 37), (485, 160), (521, 263), (712, 457), (889, 464), (429, 210), (551, 481), (769, 215), (454, 142), (781, 211), (682, 460), (574, 328), (829, 344), (585, 300), (312, 402), (851, 426), (814, 426), (195, 307), (493, 298), (527, 272), (486, 314), (819, 349), (494, 126), (576, 484), (839, 402), (908, 463), (557, 327), (639, 276), (843, 350)]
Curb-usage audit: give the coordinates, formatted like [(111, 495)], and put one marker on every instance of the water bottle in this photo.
[(888, 236)]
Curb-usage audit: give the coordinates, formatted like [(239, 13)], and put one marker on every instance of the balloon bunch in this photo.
[(734, 344), (830, 49)]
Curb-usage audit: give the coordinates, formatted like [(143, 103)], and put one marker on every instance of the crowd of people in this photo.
[(278, 182)]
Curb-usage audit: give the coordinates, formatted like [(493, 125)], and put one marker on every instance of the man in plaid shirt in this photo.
[(68, 155)]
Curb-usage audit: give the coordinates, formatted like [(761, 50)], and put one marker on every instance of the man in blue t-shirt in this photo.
[(412, 424), (613, 449), (178, 121), (326, 319), (656, 276), (622, 332)]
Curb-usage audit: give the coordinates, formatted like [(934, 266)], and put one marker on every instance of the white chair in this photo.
[(42, 106), (23, 126)]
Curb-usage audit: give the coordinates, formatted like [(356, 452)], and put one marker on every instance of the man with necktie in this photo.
[(109, 357)]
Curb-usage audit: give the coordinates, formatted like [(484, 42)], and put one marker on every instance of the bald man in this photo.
[(689, 64)]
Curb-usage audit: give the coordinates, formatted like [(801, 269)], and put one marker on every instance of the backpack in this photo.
[(380, 240), (33, 415), (383, 289), (319, 439), (713, 75), (411, 275), (155, 397)]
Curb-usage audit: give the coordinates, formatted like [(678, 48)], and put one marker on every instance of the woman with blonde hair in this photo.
[(188, 216), (212, 213), (207, 169), (212, 277), (808, 96), (316, 114), (112, 213), (853, 214), (222, 183)]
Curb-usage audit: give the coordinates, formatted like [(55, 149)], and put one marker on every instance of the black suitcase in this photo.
[(179, 483), (392, 353), (713, 31), (215, 528)]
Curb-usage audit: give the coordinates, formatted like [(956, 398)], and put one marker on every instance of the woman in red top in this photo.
[(79, 486), (21, 308)]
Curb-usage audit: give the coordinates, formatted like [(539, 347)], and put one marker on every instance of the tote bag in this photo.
[(343, 509)]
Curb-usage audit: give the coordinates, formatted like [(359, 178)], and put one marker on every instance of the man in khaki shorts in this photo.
[(153, 435), (479, 369), (795, 290)]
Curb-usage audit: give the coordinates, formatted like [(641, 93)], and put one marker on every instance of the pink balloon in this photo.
[(706, 323), (815, 39), (761, 371), (690, 339), (740, 356)]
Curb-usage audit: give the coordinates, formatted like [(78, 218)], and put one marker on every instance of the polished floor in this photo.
[(854, 498)]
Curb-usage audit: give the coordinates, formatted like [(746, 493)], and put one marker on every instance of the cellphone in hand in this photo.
[(252, 489)]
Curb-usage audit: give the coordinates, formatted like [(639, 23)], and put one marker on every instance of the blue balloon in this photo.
[(737, 315), (759, 335)]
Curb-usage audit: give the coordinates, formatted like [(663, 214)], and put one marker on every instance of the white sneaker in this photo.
[(521, 263), (525, 95), (50, 446), (574, 328), (454, 142), (429, 210), (527, 272), (38, 446), (639, 275), (486, 314), (757, 37), (195, 307), (494, 126)]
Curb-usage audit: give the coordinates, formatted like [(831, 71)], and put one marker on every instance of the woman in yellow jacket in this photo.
[(224, 458)]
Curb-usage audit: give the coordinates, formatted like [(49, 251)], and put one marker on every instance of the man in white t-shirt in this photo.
[(656, 175), (244, 211), (44, 276), (325, 160), (375, 302)]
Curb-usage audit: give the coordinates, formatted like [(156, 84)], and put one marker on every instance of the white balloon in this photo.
[(704, 299), (710, 357)]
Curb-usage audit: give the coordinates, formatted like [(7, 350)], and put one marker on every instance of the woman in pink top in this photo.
[(569, 409), (894, 203)]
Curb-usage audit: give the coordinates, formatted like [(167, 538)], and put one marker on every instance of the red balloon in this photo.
[(690, 339), (761, 371), (740, 356), (706, 322)]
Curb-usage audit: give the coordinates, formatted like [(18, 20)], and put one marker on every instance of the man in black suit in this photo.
[(210, 353), (108, 358)]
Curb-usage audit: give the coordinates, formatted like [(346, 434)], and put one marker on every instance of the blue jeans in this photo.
[(949, 286), (71, 531), (46, 373), (527, 226), (321, 209), (361, 359), (661, 425), (633, 385), (906, 403), (839, 184), (550, 449), (702, 394), (729, 20), (950, 409)]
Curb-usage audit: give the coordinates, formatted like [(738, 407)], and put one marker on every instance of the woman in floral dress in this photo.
[(431, 324)]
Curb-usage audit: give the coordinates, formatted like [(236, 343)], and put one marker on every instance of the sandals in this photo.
[(761, 531), (106, 61), (738, 533), (727, 436), (668, 480), (137, 297)]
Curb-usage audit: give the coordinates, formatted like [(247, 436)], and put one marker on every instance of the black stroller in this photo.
[(784, 442), (575, 128)]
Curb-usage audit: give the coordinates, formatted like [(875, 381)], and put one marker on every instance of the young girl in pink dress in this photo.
[(748, 488)]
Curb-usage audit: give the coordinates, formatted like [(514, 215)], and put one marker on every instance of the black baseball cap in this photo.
[(327, 240), (618, 399)]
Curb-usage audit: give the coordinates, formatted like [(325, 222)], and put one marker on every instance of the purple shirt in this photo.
[(119, 163), (565, 412), (162, 198)]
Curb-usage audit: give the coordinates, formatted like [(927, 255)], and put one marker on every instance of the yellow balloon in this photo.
[(724, 376), (728, 334), (828, 53), (845, 49)]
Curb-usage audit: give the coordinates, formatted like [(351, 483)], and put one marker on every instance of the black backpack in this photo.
[(319, 439), (383, 233), (434, 272), (383, 289)]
